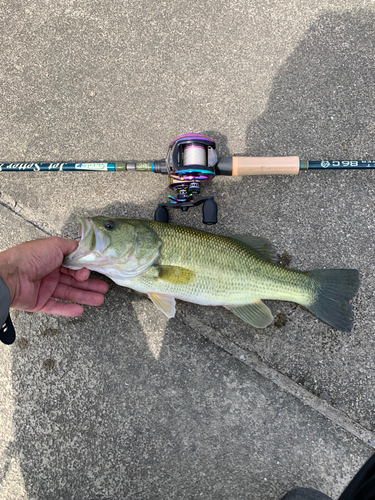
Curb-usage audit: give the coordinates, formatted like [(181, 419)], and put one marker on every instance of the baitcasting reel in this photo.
[(191, 160)]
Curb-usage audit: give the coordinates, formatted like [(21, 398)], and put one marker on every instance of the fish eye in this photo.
[(109, 224)]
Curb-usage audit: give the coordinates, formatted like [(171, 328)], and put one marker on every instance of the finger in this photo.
[(71, 294), (55, 245), (61, 309), (92, 284), (66, 246), (80, 274)]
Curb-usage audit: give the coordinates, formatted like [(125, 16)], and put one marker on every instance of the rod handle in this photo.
[(278, 165)]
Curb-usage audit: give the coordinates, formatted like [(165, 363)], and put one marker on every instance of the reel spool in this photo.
[(191, 160)]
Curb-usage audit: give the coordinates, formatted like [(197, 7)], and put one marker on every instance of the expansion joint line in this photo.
[(250, 359), (24, 214)]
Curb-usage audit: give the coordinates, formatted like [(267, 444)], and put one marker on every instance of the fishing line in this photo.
[(194, 156)]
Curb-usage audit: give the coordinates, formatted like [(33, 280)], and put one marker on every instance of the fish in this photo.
[(169, 262)]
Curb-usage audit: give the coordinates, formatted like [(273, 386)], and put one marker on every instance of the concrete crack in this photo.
[(336, 416), (26, 215)]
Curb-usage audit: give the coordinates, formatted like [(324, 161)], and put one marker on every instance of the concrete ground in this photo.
[(121, 403)]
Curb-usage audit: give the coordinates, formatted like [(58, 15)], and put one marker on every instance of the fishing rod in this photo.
[(192, 159)]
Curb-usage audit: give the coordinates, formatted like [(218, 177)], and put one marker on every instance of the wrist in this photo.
[(7, 273)]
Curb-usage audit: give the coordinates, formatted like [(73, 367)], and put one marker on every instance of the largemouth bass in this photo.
[(170, 262)]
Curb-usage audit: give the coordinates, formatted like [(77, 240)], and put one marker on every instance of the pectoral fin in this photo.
[(164, 303), (175, 275), (256, 314)]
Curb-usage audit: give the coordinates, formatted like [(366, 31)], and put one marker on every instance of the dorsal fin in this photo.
[(263, 248)]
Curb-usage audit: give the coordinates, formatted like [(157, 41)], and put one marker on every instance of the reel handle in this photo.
[(209, 209)]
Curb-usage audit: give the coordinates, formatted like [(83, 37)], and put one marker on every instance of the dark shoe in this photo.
[(305, 494)]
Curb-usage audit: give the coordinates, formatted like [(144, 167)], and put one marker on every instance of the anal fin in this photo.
[(164, 303), (256, 314)]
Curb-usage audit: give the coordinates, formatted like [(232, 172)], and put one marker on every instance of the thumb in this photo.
[(66, 246)]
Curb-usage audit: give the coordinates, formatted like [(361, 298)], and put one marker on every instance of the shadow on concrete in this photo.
[(322, 100)]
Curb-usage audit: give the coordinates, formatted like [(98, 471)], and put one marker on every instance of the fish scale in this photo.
[(226, 272)]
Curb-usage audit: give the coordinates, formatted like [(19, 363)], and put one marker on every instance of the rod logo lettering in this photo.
[(19, 166), (91, 166)]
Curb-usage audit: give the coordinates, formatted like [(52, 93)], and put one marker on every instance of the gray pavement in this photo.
[(122, 403)]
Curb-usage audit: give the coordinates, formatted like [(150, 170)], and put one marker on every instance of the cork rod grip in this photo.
[(279, 165)]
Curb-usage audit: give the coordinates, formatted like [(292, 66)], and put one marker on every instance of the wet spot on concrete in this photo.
[(50, 332), (281, 320), (76, 321), (284, 259), (23, 343), (49, 364)]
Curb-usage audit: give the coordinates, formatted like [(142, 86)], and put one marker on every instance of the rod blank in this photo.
[(236, 165)]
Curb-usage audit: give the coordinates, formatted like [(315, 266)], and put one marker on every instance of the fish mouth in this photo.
[(93, 242)]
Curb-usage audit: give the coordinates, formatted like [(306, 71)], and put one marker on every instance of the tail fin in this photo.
[(335, 287)]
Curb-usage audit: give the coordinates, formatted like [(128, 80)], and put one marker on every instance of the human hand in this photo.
[(33, 273)]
